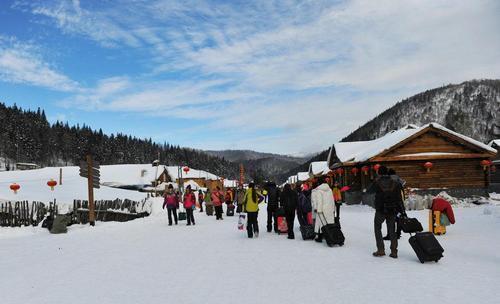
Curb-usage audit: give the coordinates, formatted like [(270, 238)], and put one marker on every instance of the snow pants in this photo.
[(172, 211), (380, 217), (252, 224), (290, 219), (190, 216), (271, 216)]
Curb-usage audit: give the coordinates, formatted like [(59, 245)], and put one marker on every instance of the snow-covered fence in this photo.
[(108, 211), (24, 213)]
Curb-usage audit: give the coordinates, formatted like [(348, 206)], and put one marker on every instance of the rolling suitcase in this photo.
[(209, 209), (230, 210), (182, 216), (332, 233), (307, 232), (281, 219), (426, 246)]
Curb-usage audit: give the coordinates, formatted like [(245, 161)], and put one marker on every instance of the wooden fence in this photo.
[(24, 213)]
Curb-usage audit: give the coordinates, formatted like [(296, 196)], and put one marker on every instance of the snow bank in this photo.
[(420, 202)]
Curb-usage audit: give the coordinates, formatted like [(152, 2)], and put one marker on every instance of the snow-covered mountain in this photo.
[(471, 108)]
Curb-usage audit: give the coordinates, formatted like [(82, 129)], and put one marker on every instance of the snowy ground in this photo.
[(146, 261)]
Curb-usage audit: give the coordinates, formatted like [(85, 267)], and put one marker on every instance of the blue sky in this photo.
[(276, 76)]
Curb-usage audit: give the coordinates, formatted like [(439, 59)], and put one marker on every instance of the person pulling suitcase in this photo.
[(388, 203)]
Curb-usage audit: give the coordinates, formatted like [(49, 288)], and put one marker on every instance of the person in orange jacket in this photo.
[(217, 200)]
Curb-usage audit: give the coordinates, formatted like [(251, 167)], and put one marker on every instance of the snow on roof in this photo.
[(494, 142), (318, 168), (173, 171), (364, 150), (128, 175), (302, 176), (229, 183), (292, 179)]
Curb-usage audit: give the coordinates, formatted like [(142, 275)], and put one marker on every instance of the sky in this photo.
[(281, 76)]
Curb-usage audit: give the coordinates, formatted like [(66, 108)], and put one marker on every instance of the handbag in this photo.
[(241, 222), (410, 225)]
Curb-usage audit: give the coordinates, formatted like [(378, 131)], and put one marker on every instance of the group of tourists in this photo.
[(316, 206)]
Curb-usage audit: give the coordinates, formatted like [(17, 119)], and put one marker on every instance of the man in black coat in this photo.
[(388, 203), (289, 201), (273, 196)]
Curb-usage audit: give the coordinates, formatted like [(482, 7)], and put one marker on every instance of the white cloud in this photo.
[(21, 63), (293, 66)]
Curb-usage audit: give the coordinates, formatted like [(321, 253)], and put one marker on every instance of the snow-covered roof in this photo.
[(229, 183), (302, 176), (173, 172), (364, 150), (318, 168), (128, 175), (494, 142), (292, 179)]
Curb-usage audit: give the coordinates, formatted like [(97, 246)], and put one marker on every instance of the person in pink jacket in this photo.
[(217, 201), (171, 202), (189, 203)]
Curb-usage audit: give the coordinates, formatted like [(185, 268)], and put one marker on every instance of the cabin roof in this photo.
[(362, 151), (318, 168)]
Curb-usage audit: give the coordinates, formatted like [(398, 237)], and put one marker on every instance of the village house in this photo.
[(430, 159)]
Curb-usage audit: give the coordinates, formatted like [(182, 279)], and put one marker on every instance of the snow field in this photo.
[(147, 261)]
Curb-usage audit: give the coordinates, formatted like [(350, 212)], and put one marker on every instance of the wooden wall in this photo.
[(430, 142), (446, 173)]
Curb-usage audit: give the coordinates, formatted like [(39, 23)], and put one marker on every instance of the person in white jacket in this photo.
[(323, 205)]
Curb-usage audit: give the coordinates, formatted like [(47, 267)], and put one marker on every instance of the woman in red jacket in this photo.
[(189, 203), (443, 206)]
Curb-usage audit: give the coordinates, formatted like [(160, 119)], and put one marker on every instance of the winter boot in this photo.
[(379, 253), (394, 254)]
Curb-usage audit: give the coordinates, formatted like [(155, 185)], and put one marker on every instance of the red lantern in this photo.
[(365, 169), (52, 183), (15, 187), (486, 163), (428, 166), (340, 171), (185, 169), (376, 167), (355, 171)]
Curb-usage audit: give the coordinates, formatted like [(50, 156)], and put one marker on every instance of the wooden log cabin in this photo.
[(430, 159)]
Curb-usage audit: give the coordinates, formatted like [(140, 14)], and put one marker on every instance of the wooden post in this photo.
[(60, 176), (90, 180)]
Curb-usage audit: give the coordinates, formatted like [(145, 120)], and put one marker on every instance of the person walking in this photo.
[(201, 198), (388, 203), (304, 208), (171, 202), (273, 197), (289, 201), (189, 203), (251, 207), (323, 205), (217, 201), (209, 206)]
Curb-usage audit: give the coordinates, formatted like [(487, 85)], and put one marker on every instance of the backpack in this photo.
[(390, 195)]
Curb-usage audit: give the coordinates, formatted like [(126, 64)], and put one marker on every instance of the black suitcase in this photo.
[(230, 210), (307, 232), (426, 246), (332, 233), (410, 225)]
